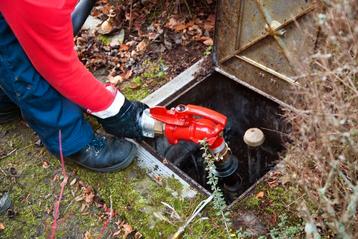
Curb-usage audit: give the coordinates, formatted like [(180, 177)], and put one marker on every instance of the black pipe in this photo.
[(80, 14)]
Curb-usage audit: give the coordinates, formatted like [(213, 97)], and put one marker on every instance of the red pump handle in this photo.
[(191, 122), (196, 110), (179, 115)]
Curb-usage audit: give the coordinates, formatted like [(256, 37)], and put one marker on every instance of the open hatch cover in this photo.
[(258, 42)]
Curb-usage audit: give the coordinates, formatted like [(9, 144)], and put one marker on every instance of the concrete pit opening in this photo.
[(245, 110)]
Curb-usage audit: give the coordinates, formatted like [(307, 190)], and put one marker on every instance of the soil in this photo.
[(186, 55)]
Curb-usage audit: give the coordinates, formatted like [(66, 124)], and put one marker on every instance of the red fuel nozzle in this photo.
[(191, 122), (195, 123)]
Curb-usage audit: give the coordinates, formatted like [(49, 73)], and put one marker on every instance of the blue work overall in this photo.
[(42, 107)]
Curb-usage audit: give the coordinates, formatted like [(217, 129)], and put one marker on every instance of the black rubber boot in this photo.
[(105, 154), (9, 116), (8, 112)]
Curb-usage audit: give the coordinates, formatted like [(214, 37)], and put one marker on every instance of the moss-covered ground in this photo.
[(269, 211), (32, 177)]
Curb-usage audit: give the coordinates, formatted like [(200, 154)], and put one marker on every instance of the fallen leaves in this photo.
[(125, 231), (274, 179), (115, 80), (208, 41), (130, 34), (73, 181), (87, 195), (260, 195), (142, 46), (196, 29), (87, 235), (120, 78), (176, 25), (45, 164), (2, 226)]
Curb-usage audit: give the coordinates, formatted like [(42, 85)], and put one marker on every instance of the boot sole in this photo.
[(122, 165), (9, 117)]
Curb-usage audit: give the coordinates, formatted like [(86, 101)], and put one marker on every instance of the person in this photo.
[(42, 78)]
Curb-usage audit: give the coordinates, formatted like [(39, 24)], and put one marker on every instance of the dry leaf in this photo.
[(209, 42), (89, 197), (73, 182), (138, 235), (172, 23), (134, 86), (2, 227), (79, 198), (117, 233), (87, 235), (83, 207), (153, 35), (142, 46), (117, 39), (127, 229), (123, 47), (260, 195), (126, 75), (209, 23), (115, 80), (131, 43), (45, 164), (180, 27)]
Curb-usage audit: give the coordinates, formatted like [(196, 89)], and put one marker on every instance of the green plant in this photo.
[(208, 51), (284, 230), (104, 39), (213, 181), (241, 234), (154, 70)]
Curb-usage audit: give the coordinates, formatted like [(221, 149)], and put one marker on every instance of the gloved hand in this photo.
[(126, 123)]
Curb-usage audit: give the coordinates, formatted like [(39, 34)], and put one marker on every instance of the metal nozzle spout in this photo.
[(151, 127), (226, 169)]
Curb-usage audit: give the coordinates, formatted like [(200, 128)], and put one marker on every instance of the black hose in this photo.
[(195, 166), (80, 14)]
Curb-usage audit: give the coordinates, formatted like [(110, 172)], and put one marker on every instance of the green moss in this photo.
[(138, 199), (137, 80), (137, 88), (252, 203), (135, 94), (135, 197), (208, 50), (104, 39), (273, 202), (153, 70), (33, 190)]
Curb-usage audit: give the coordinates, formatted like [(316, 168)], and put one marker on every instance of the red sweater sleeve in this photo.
[(44, 30)]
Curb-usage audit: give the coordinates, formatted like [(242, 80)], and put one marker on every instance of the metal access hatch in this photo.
[(259, 42)]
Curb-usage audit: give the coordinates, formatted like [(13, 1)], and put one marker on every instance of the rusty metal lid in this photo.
[(257, 42)]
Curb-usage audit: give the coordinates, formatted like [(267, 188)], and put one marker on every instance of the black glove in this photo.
[(127, 122)]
